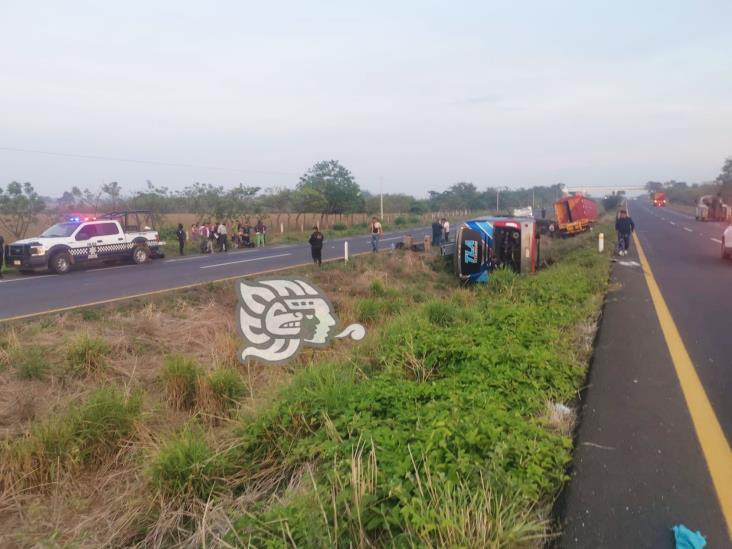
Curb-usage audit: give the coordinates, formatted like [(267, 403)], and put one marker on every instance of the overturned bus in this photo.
[(495, 242)]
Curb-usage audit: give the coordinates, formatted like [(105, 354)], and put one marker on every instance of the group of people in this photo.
[(440, 232), (215, 236)]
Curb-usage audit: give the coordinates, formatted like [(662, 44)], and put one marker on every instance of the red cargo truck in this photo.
[(659, 199), (575, 214)]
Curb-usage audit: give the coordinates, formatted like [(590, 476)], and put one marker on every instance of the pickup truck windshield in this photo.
[(60, 230)]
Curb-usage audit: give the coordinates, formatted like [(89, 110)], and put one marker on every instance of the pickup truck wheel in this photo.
[(140, 254), (60, 263)]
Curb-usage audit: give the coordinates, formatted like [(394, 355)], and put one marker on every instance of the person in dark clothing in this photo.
[(2, 254), (316, 245), (543, 213), (436, 233), (181, 235), (624, 226)]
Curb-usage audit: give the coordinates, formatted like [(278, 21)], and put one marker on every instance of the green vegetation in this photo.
[(227, 389), (86, 355), (456, 394), (30, 362), (84, 434), (180, 375), (186, 466)]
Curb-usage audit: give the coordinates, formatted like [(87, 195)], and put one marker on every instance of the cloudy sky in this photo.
[(422, 93)]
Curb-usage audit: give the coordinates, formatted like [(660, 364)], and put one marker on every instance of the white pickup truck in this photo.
[(112, 237)]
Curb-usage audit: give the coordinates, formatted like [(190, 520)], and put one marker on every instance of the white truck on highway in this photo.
[(113, 237)]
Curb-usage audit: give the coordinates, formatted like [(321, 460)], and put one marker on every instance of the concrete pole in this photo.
[(601, 242), (345, 251)]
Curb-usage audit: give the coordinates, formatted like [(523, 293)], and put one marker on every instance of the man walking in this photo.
[(376, 231), (316, 246), (624, 226)]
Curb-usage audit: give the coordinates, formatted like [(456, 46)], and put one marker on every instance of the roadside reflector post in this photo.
[(601, 242), (282, 228), (345, 251)]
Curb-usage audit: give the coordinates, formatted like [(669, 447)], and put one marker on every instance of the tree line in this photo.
[(326, 188), (681, 192)]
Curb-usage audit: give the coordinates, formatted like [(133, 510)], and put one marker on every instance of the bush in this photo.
[(87, 354), (441, 313), (30, 362), (187, 466), (338, 227), (83, 435), (180, 375), (369, 310), (227, 388), (376, 288), (401, 220)]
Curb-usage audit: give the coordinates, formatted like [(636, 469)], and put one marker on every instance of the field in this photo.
[(449, 425)]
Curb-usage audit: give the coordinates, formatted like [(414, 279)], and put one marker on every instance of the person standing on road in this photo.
[(181, 235), (259, 230), (624, 226), (446, 229), (316, 246), (223, 236), (203, 237), (376, 231), (436, 233)]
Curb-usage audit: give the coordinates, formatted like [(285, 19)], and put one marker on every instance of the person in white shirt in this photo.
[(223, 235), (376, 231), (446, 229)]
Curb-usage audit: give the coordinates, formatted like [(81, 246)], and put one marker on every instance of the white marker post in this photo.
[(282, 228), (601, 242), (345, 251)]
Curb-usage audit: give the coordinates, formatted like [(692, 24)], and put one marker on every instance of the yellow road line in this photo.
[(155, 292), (713, 443)]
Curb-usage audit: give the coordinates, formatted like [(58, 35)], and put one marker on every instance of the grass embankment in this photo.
[(134, 424)]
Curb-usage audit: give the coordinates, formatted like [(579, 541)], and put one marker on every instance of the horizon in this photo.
[(419, 95)]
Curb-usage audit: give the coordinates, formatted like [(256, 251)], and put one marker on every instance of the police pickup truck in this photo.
[(113, 237)]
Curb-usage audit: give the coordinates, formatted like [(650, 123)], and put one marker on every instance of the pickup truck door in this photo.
[(110, 240)]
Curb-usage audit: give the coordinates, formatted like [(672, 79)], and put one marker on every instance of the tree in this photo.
[(725, 181), (654, 186), (19, 207), (337, 186), (113, 190)]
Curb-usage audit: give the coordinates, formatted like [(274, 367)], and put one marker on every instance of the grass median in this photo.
[(446, 426)]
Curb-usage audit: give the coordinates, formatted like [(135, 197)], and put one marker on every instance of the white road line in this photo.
[(716, 240), (25, 278), (672, 223), (242, 261), (687, 229)]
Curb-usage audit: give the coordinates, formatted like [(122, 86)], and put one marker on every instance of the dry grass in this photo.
[(112, 503)]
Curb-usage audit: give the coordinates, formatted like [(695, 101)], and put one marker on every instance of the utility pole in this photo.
[(498, 193), (532, 199), (381, 194)]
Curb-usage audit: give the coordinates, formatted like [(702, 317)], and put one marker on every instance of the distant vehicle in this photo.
[(711, 208), (83, 241), (523, 212), (659, 199), (727, 243), (489, 243), (575, 214)]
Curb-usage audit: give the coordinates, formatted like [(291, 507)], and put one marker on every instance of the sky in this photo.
[(417, 94)]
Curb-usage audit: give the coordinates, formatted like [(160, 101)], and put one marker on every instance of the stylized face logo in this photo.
[(277, 317)]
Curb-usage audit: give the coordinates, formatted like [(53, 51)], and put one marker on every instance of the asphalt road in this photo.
[(640, 464), (697, 286), (39, 293)]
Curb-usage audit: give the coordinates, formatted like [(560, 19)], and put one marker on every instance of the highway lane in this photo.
[(696, 283), (32, 294)]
